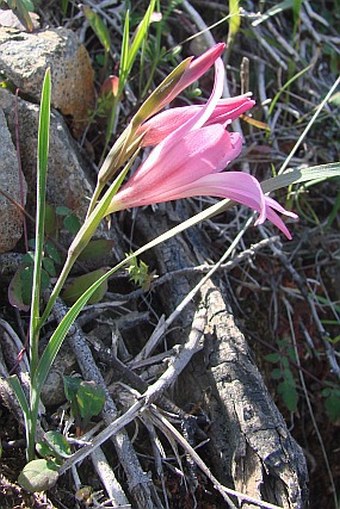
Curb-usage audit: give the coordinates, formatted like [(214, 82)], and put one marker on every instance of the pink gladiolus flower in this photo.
[(188, 163), (164, 123)]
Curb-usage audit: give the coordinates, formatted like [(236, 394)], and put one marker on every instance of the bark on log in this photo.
[(251, 448)]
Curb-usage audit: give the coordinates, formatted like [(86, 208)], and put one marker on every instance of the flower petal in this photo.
[(199, 153), (196, 69), (166, 122)]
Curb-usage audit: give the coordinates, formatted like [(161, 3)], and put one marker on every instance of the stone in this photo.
[(24, 58), (13, 183), (67, 182)]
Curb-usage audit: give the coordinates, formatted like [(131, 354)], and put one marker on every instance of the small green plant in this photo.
[(86, 399), (139, 273), (283, 374)]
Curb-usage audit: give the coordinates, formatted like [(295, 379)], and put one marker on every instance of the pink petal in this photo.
[(231, 108), (196, 69), (199, 153), (275, 219), (236, 186), (164, 123)]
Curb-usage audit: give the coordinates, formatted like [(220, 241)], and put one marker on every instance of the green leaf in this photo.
[(50, 220), (140, 34), (49, 266), (96, 249), (26, 278), (38, 475), (16, 296), (276, 373), (80, 284), (273, 357), (273, 11), (130, 49), (71, 386), (13, 380), (313, 174), (52, 252), (289, 395), (124, 56), (335, 99), (64, 5), (61, 210), (72, 224), (42, 165), (45, 280), (90, 399), (234, 20), (332, 403), (58, 443), (98, 26), (138, 271), (21, 9)]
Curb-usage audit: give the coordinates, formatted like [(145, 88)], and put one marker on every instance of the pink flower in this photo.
[(164, 123), (188, 162)]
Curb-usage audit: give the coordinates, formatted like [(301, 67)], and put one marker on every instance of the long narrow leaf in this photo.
[(124, 56), (234, 20), (42, 162), (140, 34), (98, 26), (297, 176), (21, 396), (285, 86)]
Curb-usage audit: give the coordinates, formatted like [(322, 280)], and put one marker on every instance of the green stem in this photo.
[(83, 237)]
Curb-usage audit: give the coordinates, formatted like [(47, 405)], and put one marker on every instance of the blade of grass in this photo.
[(285, 86), (42, 164), (24, 405), (99, 27), (234, 22), (140, 35), (21, 396), (273, 11), (124, 56)]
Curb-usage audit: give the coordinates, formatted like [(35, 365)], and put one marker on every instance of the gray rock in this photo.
[(13, 183), (24, 58), (67, 182)]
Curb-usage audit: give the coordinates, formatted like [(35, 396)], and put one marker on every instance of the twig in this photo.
[(193, 345), (268, 48), (106, 475)]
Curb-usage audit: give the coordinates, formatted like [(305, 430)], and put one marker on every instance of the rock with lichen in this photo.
[(13, 190), (24, 58)]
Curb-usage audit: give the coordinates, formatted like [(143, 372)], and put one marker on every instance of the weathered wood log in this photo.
[(251, 448)]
